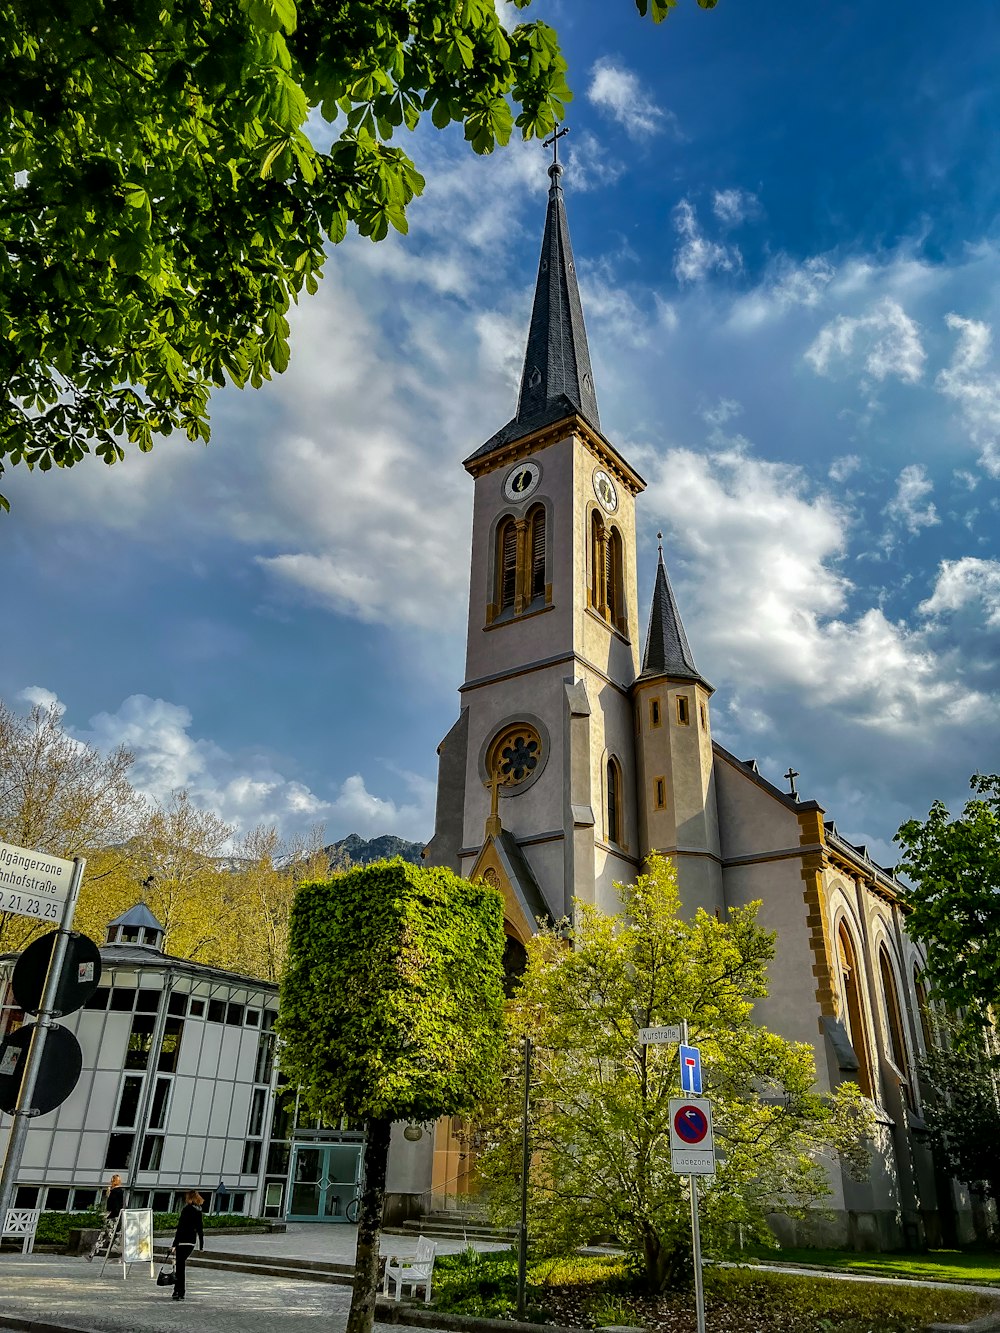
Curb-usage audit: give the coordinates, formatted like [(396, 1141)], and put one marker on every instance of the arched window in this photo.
[(614, 801), (924, 1010), (854, 1010), (515, 960), (536, 558), (897, 1039), (598, 564), (615, 580), (506, 564)]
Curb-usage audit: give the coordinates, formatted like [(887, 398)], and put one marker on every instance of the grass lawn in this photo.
[(934, 1265), (595, 1292)]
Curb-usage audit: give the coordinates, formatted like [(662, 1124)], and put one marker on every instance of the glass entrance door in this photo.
[(325, 1179)]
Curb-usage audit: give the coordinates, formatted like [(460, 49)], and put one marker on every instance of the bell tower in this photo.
[(537, 778)]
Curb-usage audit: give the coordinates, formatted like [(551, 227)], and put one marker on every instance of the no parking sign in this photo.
[(692, 1143)]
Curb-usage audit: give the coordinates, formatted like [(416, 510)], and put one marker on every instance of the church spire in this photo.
[(557, 359), (557, 379), (667, 652)]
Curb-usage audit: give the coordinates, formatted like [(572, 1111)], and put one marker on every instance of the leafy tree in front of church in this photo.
[(162, 205), (599, 1099), (962, 1104), (391, 1009), (954, 897)]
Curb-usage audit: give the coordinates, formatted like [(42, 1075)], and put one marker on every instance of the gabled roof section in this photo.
[(667, 651), (557, 379)]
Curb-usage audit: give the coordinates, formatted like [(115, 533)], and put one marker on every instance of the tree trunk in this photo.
[(366, 1263), (667, 1267)]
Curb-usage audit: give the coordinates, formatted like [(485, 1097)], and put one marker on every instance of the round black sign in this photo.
[(62, 1060), (81, 971)]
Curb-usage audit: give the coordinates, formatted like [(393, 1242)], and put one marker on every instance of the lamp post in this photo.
[(522, 1235)]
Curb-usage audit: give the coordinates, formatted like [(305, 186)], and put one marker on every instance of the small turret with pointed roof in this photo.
[(667, 651), (136, 926), (557, 379)]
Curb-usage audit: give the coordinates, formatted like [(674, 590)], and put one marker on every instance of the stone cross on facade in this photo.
[(791, 775)]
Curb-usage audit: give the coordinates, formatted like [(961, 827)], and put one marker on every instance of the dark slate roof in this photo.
[(139, 915), (667, 652), (557, 380)]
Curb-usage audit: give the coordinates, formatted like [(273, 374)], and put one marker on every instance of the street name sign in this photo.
[(33, 883), (661, 1036), (692, 1142)]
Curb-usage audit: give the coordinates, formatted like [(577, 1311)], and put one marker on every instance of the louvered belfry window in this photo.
[(538, 554), (508, 564)]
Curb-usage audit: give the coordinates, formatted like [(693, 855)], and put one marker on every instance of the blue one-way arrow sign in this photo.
[(690, 1070)]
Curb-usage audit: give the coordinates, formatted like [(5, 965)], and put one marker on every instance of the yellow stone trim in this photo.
[(811, 832), (516, 923), (569, 427)]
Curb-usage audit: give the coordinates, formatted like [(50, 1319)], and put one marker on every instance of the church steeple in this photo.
[(557, 379), (557, 359), (667, 651)]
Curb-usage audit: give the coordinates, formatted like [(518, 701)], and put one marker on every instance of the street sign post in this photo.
[(81, 973), (28, 877), (692, 1143), (661, 1036)]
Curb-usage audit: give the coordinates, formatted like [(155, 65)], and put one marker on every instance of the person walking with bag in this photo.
[(189, 1230), (113, 1205)]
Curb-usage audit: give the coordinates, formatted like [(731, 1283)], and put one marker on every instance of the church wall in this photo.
[(751, 820), (790, 1006)]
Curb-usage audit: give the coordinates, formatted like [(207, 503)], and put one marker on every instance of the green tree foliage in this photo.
[(600, 1118), (222, 899), (161, 204), (962, 1109), (391, 1009), (954, 900)]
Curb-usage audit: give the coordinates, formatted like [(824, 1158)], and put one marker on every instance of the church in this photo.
[(584, 742)]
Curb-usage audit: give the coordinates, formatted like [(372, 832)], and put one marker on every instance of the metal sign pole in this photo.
[(522, 1238), (46, 1019), (699, 1284)]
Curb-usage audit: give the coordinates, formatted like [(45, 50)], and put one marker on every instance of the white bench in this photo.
[(412, 1273), (22, 1222)]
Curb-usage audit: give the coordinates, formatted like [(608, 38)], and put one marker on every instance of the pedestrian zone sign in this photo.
[(692, 1143)]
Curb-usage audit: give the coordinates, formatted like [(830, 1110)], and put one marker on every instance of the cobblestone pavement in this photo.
[(68, 1292)]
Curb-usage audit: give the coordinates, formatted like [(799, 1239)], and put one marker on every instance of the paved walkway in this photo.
[(67, 1292)]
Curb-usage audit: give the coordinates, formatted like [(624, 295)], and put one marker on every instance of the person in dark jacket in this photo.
[(189, 1230), (113, 1205)]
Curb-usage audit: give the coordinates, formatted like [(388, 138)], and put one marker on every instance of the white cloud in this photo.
[(963, 583), (619, 93), (247, 789), (733, 207), (843, 467), (762, 552), (785, 285), (696, 256), (907, 507), (969, 383), (724, 410), (884, 341), (38, 697)]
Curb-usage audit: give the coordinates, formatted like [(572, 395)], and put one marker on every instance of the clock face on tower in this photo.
[(604, 489), (521, 481)]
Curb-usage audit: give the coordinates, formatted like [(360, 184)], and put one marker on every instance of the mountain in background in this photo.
[(357, 851)]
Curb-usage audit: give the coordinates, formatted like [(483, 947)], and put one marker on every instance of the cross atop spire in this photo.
[(557, 379)]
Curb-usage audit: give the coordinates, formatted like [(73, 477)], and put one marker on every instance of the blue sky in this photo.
[(785, 225)]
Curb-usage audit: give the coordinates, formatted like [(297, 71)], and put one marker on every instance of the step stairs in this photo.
[(453, 1225), (305, 1270)]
